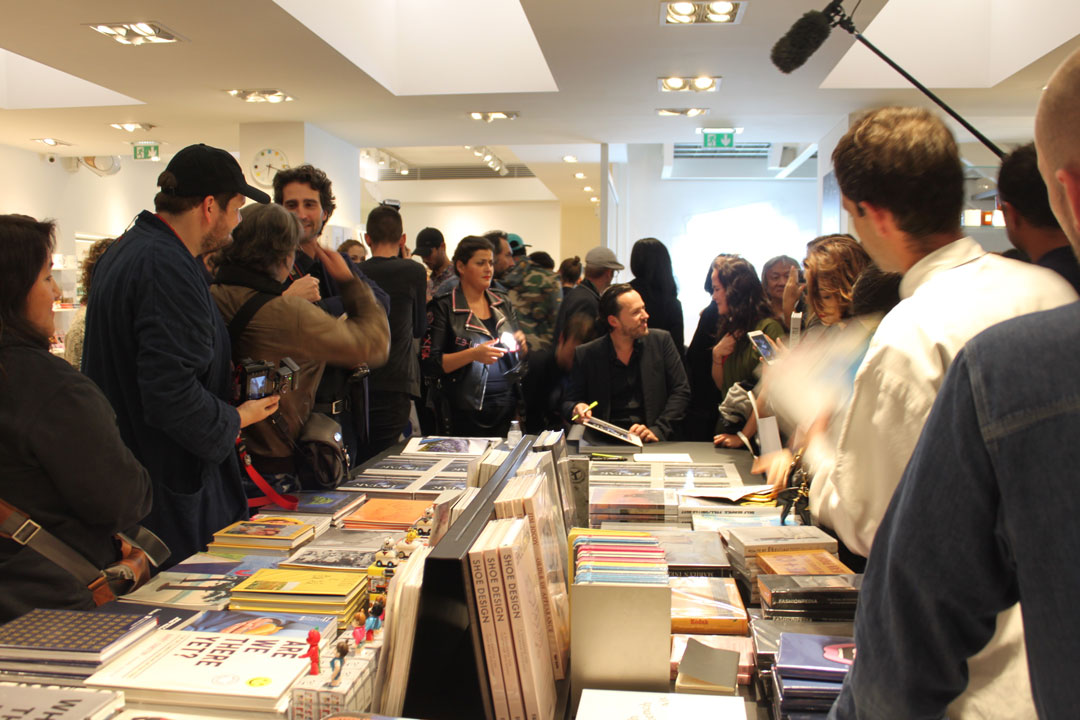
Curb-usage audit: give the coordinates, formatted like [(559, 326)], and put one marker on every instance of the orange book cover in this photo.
[(389, 511), (801, 562), (707, 606)]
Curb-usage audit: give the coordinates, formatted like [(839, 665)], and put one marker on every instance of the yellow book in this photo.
[(267, 532), (300, 584), (707, 606), (801, 562)]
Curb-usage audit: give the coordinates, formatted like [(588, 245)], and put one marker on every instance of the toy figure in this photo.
[(374, 620), (423, 525), (313, 640), (387, 556), (359, 620), (407, 545), (338, 662)]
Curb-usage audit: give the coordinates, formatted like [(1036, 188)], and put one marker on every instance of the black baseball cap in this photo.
[(428, 240), (201, 170)]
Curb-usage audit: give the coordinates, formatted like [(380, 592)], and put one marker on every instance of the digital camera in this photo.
[(259, 379)]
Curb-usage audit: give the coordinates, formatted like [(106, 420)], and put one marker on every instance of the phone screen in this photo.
[(763, 346)]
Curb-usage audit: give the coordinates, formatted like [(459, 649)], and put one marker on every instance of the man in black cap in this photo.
[(159, 350), (431, 247)]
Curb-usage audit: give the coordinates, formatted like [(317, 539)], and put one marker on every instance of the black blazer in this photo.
[(664, 388)]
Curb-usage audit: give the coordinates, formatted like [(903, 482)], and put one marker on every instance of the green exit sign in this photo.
[(719, 140), (146, 152)]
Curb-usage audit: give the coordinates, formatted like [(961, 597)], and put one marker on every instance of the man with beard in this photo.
[(633, 374), (159, 350)]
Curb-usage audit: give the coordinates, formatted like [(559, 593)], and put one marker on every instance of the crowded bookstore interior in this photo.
[(357, 361)]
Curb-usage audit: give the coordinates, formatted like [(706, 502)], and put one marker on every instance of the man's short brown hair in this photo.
[(903, 160)]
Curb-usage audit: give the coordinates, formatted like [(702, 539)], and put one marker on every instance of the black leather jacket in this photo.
[(452, 327)]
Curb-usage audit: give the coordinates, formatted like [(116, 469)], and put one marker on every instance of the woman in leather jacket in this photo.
[(473, 349)]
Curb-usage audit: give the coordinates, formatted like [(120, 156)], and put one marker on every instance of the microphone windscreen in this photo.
[(803, 39)]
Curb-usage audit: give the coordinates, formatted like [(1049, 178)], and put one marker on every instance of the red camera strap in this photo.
[(271, 496)]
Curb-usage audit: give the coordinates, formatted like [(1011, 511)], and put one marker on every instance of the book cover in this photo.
[(330, 558), (808, 590), (355, 539), (386, 512), (318, 585), (546, 532), (693, 553), (185, 590), (815, 657), (265, 533), (402, 463), (378, 483), (487, 625), (611, 431), (167, 618), (326, 502), (447, 446), (207, 670), (32, 702), (708, 669), (705, 605), (71, 634), (741, 644), (265, 624), (500, 613), (801, 562), (746, 541), (633, 705)]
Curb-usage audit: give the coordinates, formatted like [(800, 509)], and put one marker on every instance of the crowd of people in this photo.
[(212, 325)]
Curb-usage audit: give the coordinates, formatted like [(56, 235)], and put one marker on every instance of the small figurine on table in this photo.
[(313, 640), (359, 621), (407, 545), (387, 556), (338, 662), (424, 524), (374, 620)]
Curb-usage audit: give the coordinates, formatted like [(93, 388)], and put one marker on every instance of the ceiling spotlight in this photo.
[(682, 112), (139, 33), (493, 115), (579, 176), (594, 199), (694, 112), (702, 12), (132, 127), (404, 171), (587, 188), (476, 116), (702, 83), (478, 152), (672, 84), (503, 171), (488, 156), (569, 158), (733, 130), (51, 142), (260, 96)]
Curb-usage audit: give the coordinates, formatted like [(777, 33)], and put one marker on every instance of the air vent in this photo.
[(462, 172), (739, 150)]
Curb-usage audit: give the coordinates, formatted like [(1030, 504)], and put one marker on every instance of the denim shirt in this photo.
[(985, 516)]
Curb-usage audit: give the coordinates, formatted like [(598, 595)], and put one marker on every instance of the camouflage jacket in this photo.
[(535, 294)]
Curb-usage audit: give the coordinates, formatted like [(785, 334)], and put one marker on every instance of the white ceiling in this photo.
[(409, 71)]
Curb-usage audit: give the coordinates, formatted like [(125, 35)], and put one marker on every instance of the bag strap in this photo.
[(247, 311), (16, 525), (270, 495)]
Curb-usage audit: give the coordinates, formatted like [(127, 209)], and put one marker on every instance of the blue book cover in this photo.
[(276, 624), (325, 502), (814, 657)]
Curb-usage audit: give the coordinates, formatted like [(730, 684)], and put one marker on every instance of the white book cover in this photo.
[(628, 705), (497, 595), (207, 670), (31, 702), (487, 625)]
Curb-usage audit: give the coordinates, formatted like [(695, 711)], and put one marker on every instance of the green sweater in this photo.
[(742, 362)]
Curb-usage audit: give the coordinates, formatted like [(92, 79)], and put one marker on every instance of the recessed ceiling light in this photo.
[(682, 112), (734, 130), (569, 158), (260, 96), (701, 83), (51, 142), (137, 33), (594, 199), (579, 176), (587, 188), (718, 12), (404, 171), (132, 127), (493, 115)]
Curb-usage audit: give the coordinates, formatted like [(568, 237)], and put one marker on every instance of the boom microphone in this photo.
[(803, 40)]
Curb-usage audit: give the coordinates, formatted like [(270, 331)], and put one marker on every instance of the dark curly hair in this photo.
[(469, 246), (26, 245), (745, 296), (309, 175)]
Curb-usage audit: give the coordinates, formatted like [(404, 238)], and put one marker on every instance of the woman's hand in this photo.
[(487, 353), (722, 349), (523, 345), (775, 466), (727, 440), (306, 288), (793, 289), (253, 411), (334, 263)]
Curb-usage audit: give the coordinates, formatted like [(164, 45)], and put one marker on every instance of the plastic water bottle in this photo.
[(513, 436)]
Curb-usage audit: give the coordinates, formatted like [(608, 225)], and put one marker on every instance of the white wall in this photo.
[(538, 223), (698, 219), (341, 163)]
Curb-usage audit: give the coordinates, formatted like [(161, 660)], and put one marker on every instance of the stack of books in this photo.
[(29, 702), (188, 590), (272, 535), (709, 515), (632, 504), (317, 696), (332, 504), (707, 606), (441, 446), (386, 515), (613, 556), (302, 591), (809, 597), (766, 638), (692, 553), (810, 671), (207, 670), (294, 626), (64, 647), (736, 643), (746, 543)]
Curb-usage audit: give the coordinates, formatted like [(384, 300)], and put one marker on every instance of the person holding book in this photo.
[(633, 375), (473, 348), (64, 463)]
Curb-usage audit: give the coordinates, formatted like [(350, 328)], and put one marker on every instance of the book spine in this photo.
[(554, 641), (487, 634), (784, 547), (713, 572), (709, 626), (515, 612), (503, 633)]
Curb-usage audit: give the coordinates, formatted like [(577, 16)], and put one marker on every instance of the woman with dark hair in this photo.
[(740, 302), (253, 269), (73, 338), (570, 272), (64, 464), (655, 282), (471, 348)]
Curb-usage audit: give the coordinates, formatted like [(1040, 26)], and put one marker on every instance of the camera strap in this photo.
[(270, 495), (243, 316)]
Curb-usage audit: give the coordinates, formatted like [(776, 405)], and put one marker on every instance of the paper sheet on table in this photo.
[(733, 494), (663, 457)]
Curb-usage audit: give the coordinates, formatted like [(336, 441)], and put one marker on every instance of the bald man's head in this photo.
[(1057, 140)]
